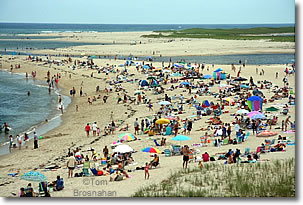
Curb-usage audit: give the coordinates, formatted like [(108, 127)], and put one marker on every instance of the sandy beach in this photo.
[(120, 45), (53, 148)]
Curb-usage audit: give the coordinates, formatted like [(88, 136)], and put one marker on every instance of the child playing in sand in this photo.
[(146, 168)]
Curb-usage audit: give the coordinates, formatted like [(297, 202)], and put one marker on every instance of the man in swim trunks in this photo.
[(185, 156)]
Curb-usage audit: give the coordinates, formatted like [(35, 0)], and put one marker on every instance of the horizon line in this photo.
[(149, 23)]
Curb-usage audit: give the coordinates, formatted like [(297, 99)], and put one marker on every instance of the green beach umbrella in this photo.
[(272, 109)]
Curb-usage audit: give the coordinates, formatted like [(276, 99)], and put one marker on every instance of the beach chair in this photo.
[(168, 130), (225, 141), (203, 140), (273, 141), (247, 151), (191, 157), (258, 150), (267, 148), (285, 111), (42, 188), (176, 150), (156, 143), (167, 152), (246, 136)]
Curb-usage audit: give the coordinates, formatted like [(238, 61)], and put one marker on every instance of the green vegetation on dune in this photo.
[(262, 179), (229, 34)]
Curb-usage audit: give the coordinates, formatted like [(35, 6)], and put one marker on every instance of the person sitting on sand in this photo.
[(155, 161), (58, 185)]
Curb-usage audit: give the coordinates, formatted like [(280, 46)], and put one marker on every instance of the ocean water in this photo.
[(29, 28), (23, 112), (22, 45)]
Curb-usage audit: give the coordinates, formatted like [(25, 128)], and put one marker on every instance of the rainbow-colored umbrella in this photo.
[(127, 137), (151, 150)]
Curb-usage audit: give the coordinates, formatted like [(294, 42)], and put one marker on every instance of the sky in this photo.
[(148, 12)]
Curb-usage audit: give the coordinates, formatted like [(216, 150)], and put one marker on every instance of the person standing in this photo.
[(35, 140), (142, 125), (19, 140), (87, 129), (189, 126), (136, 126), (185, 152), (71, 164), (94, 129), (146, 168), (11, 141)]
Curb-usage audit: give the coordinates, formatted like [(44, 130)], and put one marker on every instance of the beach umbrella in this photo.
[(250, 114), (166, 71), (162, 121), (219, 70), (244, 86), (267, 133), (124, 148), (206, 76), (146, 67), (242, 112), (272, 109), (151, 150), (240, 79), (164, 103), (185, 83), (258, 116), (180, 138), (127, 137), (34, 176)]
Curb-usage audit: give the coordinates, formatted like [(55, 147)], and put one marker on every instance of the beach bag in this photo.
[(100, 173)]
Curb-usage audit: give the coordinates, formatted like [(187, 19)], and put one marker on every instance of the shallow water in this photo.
[(23, 112)]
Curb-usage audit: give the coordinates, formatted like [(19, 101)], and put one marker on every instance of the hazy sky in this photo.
[(148, 12)]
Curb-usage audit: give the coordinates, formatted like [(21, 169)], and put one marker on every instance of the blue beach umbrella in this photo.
[(185, 83), (207, 77), (258, 116), (34, 176), (181, 138)]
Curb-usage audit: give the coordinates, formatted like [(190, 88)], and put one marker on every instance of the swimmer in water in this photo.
[(28, 93)]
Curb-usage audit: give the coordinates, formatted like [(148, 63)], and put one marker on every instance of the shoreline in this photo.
[(43, 127)]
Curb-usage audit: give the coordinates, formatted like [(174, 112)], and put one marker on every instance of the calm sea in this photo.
[(23, 112)]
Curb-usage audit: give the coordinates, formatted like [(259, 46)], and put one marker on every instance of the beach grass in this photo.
[(262, 179), (260, 33)]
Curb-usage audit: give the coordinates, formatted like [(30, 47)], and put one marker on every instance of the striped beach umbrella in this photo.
[(127, 137), (151, 150)]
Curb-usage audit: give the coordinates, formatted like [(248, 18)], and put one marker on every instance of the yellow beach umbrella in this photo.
[(162, 121)]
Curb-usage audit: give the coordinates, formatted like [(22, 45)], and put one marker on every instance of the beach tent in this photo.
[(255, 103), (219, 75), (205, 103), (144, 83)]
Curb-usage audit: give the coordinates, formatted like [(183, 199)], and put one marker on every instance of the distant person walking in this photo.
[(35, 140)]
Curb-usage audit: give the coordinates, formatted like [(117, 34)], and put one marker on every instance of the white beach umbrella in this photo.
[(164, 103), (123, 148)]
